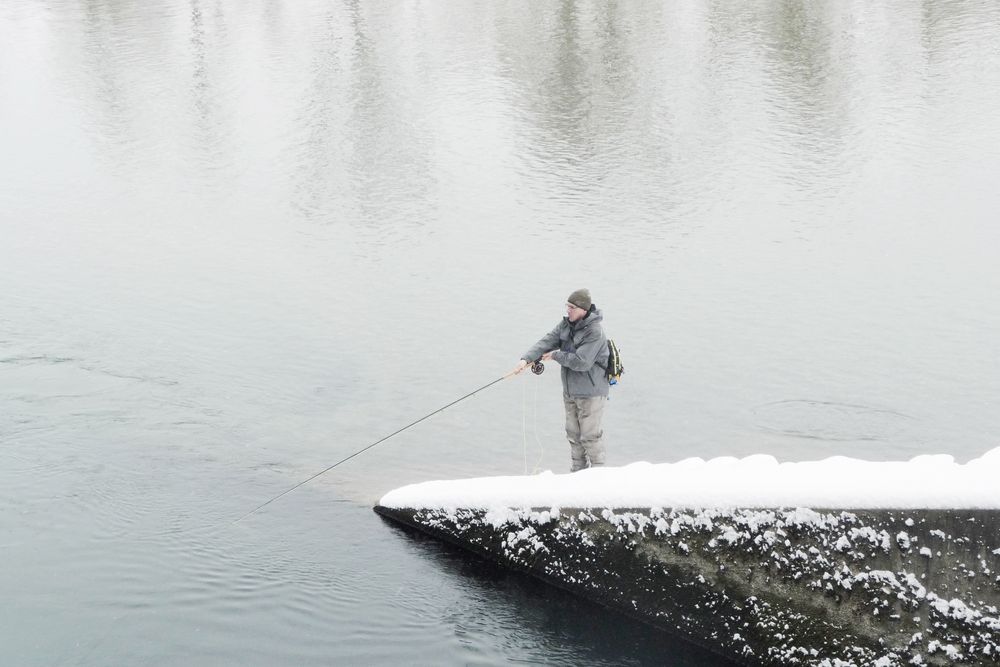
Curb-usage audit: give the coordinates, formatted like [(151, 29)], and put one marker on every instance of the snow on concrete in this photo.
[(924, 482)]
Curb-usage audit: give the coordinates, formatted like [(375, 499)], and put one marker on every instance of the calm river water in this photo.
[(241, 240)]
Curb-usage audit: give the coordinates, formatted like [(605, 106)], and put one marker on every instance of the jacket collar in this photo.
[(593, 316)]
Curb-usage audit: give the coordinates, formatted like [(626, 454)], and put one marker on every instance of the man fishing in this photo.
[(579, 345), (590, 364)]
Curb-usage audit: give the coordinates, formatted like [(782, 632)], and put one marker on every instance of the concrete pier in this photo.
[(829, 587)]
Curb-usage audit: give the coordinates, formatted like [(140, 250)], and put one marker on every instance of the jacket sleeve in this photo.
[(549, 342), (585, 355)]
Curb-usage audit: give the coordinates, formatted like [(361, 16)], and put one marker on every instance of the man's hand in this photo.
[(521, 365), (547, 356)]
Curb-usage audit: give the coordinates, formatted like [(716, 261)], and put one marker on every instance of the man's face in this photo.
[(574, 313)]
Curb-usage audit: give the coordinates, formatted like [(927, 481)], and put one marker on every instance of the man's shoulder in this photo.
[(596, 324), (592, 331)]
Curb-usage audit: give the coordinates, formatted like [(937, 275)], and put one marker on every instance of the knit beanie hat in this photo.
[(580, 299)]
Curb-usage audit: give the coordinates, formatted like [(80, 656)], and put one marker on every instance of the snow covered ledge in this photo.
[(833, 562)]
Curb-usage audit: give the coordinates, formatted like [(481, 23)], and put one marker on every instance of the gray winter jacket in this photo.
[(582, 353)]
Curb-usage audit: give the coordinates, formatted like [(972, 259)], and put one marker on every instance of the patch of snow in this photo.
[(877, 538), (731, 536), (948, 649)]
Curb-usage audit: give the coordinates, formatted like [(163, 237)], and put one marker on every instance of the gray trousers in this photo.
[(583, 430)]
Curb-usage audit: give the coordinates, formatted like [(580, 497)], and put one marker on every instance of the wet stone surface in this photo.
[(766, 587)]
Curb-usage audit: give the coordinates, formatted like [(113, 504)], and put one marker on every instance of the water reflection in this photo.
[(320, 178), (212, 151), (543, 623), (388, 160), (806, 71), (116, 123), (575, 88)]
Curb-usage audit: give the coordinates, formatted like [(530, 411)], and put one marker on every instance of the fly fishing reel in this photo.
[(538, 367)]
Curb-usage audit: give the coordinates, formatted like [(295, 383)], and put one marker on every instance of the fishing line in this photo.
[(534, 427), (524, 424), (348, 458), (541, 449)]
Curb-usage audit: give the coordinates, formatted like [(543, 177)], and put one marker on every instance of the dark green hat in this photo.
[(580, 299)]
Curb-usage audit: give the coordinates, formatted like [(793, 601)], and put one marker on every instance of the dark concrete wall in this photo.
[(766, 587)]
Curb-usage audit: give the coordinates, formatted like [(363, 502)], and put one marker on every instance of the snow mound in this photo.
[(924, 482)]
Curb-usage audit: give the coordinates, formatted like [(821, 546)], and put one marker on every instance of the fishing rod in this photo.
[(534, 369)]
